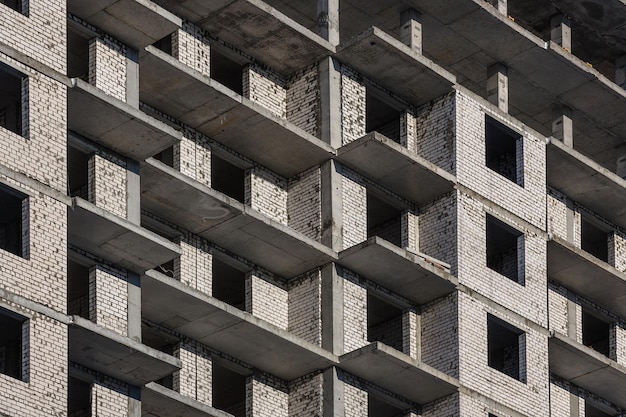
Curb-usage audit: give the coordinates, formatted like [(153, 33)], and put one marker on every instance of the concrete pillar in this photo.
[(132, 77), (562, 126), (620, 71), (501, 5), (561, 31), (133, 192), (334, 405), (328, 20), (332, 206), (621, 161), (134, 306), (330, 101), (332, 310), (411, 30), (498, 86)]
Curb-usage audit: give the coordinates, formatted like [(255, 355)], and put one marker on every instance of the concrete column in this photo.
[(133, 192), (621, 161), (328, 20), (332, 310), (134, 306), (330, 101), (132, 77), (331, 196), (334, 405), (620, 71), (501, 5), (561, 31), (498, 86), (411, 29), (562, 126)]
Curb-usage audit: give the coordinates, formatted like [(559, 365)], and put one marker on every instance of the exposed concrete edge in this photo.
[(603, 361), (164, 13), (34, 306), (589, 258), (35, 185), (33, 64), (186, 402)]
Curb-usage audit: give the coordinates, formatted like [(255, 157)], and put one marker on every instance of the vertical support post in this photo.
[(332, 310), (498, 86), (621, 161), (328, 20), (411, 30), (133, 192), (132, 77), (561, 31), (501, 5), (562, 126), (620, 71)]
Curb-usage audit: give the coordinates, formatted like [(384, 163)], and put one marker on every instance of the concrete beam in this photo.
[(500, 5), (411, 30), (328, 20), (414, 277), (562, 126), (498, 86), (158, 401), (561, 31)]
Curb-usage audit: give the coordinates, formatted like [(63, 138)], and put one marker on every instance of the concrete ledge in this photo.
[(115, 239), (413, 277), (395, 66), (189, 312), (399, 373), (115, 124), (587, 182), (587, 275), (137, 23), (158, 401), (396, 168), (115, 355), (225, 221), (588, 369), (207, 106)]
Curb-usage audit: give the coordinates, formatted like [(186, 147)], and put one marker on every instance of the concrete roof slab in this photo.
[(588, 369), (115, 124), (414, 277), (158, 401), (399, 373), (207, 106), (395, 66), (587, 182), (137, 23), (384, 161), (115, 355), (587, 275), (228, 329), (115, 239)]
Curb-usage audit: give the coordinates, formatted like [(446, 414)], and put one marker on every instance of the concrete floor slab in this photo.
[(385, 161), (115, 124), (115, 355), (395, 66), (587, 275), (115, 239), (204, 104), (413, 277), (137, 23), (399, 373), (158, 401), (588, 369), (214, 323), (228, 223)]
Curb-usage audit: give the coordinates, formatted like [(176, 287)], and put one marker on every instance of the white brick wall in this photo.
[(190, 45), (617, 250), (263, 87), (438, 230), (266, 300), (354, 312), (194, 379), (304, 203), (353, 95), (355, 397), (109, 398), (107, 183), (108, 298), (440, 334), (303, 100), (354, 208), (266, 396), (195, 266), (435, 129), (107, 66), (267, 193), (306, 396), (305, 314), (192, 156)]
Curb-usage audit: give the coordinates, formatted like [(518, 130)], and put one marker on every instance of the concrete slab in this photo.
[(385, 161), (587, 182), (137, 23), (413, 277), (257, 29), (158, 401), (399, 373), (115, 355), (587, 275), (115, 239), (214, 323), (395, 66), (204, 104), (588, 369), (223, 220), (115, 124)]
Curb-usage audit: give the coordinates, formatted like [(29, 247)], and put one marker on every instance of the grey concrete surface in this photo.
[(158, 401)]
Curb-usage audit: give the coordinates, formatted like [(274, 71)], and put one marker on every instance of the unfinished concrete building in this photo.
[(288, 208)]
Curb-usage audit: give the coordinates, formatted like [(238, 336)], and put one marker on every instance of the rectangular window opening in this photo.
[(13, 221), (381, 117), (12, 99), (505, 250), (384, 322), (229, 390), (383, 219), (227, 178), (596, 332), (594, 240), (77, 289), (229, 284), (226, 71), (506, 348), (166, 156), (13, 345), (79, 398), (164, 44), (377, 407), (78, 173), (593, 411), (19, 6), (504, 151), (77, 52)]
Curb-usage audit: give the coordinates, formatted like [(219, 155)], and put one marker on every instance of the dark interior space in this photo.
[(77, 289), (79, 398), (594, 240), (381, 117), (229, 390), (501, 150), (11, 340), (383, 219), (11, 99), (384, 322), (228, 284), (11, 227), (227, 178), (502, 252), (504, 347), (596, 333), (226, 71)]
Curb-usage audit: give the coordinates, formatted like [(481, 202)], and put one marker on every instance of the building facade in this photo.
[(337, 208)]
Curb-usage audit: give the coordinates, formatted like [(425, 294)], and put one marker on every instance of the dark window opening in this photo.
[(591, 411), (227, 178), (504, 245), (502, 151), (11, 99), (229, 390), (226, 71), (167, 269), (164, 44), (77, 289), (377, 407), (78, 173), (13, 208), (77, 53), (13, 358), (383, 220), (594, 240), (79, 398), (505, 350), (596, 333), (381, 117), (166, 156), (384, 322), (17, 5), (229, 284)]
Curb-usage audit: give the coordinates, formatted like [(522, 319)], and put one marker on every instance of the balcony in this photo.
[(158, 401), (115, 355), (115, 239), (588, 369), (115, 124), (207, 106), (214, 323), (137, 23), (417, 278), (394, 371)]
